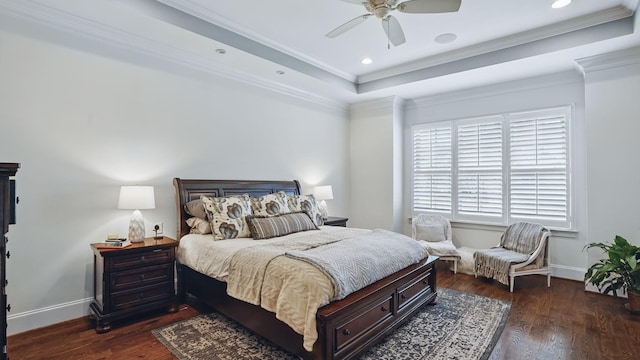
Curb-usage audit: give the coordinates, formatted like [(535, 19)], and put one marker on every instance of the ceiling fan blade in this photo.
[(347, 26), (429, 6), (393, 30)]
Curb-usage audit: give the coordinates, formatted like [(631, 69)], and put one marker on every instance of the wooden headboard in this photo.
[(188, 190)]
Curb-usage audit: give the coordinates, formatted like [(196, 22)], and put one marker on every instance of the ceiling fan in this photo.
[(390, 25)]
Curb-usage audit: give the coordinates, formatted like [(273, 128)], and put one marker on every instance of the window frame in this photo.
[(506, 217)]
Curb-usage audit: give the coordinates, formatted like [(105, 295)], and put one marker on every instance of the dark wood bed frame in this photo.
[(346, 328)]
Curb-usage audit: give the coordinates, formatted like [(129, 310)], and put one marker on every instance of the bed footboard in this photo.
[(346, 328)]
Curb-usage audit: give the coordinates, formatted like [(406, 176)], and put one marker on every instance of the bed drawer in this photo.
[(414, 289), (156, 256), (372, 315), (149, 275)]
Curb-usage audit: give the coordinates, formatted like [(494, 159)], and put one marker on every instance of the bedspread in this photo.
[(295, 289)]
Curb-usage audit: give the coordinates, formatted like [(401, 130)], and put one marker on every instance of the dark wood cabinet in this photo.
[(7, 217), (133, 280), (336, 221)]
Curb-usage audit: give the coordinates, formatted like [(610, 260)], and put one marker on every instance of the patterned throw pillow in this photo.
[(270, 204), (227, 216), (308, 204), (265, 227)]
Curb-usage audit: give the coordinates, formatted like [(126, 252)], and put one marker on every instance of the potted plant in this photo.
[(619, 270)]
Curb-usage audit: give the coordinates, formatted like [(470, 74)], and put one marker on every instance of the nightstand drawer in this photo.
[(137, 278), (131, 298), (157, 256)]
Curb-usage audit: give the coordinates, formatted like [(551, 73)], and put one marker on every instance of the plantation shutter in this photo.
[(479, 145), (432, 158), (539, 166)]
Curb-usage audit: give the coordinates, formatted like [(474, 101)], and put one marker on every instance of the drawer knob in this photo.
[(141, 295), (384, 309), (141, 258), (425, 281), (346, 332), (142, 277), (403, 296)]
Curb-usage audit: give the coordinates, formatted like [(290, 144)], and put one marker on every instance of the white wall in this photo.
[(376, 164), (612, 89), (542, 92), (81, 125)]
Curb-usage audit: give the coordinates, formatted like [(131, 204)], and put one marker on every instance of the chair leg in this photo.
[(548, 279), (511, 281), (455, 266)]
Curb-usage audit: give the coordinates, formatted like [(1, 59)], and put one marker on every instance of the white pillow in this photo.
[(431, 233)]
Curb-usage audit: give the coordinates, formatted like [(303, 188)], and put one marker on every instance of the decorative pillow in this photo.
[(308, 204), (227, 216), (265, 227), (195, 208), (431, 233), (270, 204), (199, 226)]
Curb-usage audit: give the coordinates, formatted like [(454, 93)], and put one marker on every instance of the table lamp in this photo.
[(323, 193), (136, 198)]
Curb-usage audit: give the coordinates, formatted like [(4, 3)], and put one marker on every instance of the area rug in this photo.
[(460, 326)]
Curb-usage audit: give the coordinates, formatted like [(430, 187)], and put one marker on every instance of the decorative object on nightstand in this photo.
[(8, 201), (136, 198), (336, 221), (133, 280), (323, 193)]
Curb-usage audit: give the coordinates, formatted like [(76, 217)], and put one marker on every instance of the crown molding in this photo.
[(523, 38), (376, 106), (194, 9), (526, 84), (72, 25), (610, 60)]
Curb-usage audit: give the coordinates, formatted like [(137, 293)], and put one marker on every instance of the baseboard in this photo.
[(29, 320), (568, 272)]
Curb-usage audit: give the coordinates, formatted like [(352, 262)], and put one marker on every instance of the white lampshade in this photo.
[(324, 192), (136, 198)]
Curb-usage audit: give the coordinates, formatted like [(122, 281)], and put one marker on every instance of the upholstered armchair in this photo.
[(522, 251), (434, 233)]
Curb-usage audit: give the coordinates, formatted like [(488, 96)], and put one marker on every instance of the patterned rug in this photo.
[(461, 326)]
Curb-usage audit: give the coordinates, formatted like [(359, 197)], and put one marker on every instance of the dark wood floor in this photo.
[(561, 322)]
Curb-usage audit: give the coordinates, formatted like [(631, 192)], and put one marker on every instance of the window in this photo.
[(495, 169)]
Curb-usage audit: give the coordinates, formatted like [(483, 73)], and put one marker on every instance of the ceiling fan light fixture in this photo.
[(557, 4), (366, 61)]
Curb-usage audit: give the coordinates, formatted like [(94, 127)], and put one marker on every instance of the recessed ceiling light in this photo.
[(221, 51), (557, 4), (445, 38), (366, 61)]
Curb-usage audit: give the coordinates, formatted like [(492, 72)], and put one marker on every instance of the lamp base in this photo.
[(136, 227), (322, 207)]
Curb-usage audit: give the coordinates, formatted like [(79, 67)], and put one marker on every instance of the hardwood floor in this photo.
[(561, 322)]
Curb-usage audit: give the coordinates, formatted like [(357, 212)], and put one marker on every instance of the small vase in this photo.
[(634, 302)]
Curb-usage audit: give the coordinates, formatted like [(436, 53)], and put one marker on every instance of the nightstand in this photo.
[(133, 280), (336, 221)]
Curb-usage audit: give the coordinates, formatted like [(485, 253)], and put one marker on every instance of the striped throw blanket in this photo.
[(517, 243)]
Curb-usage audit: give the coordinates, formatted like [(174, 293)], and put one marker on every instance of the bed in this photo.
[(345, 328)]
